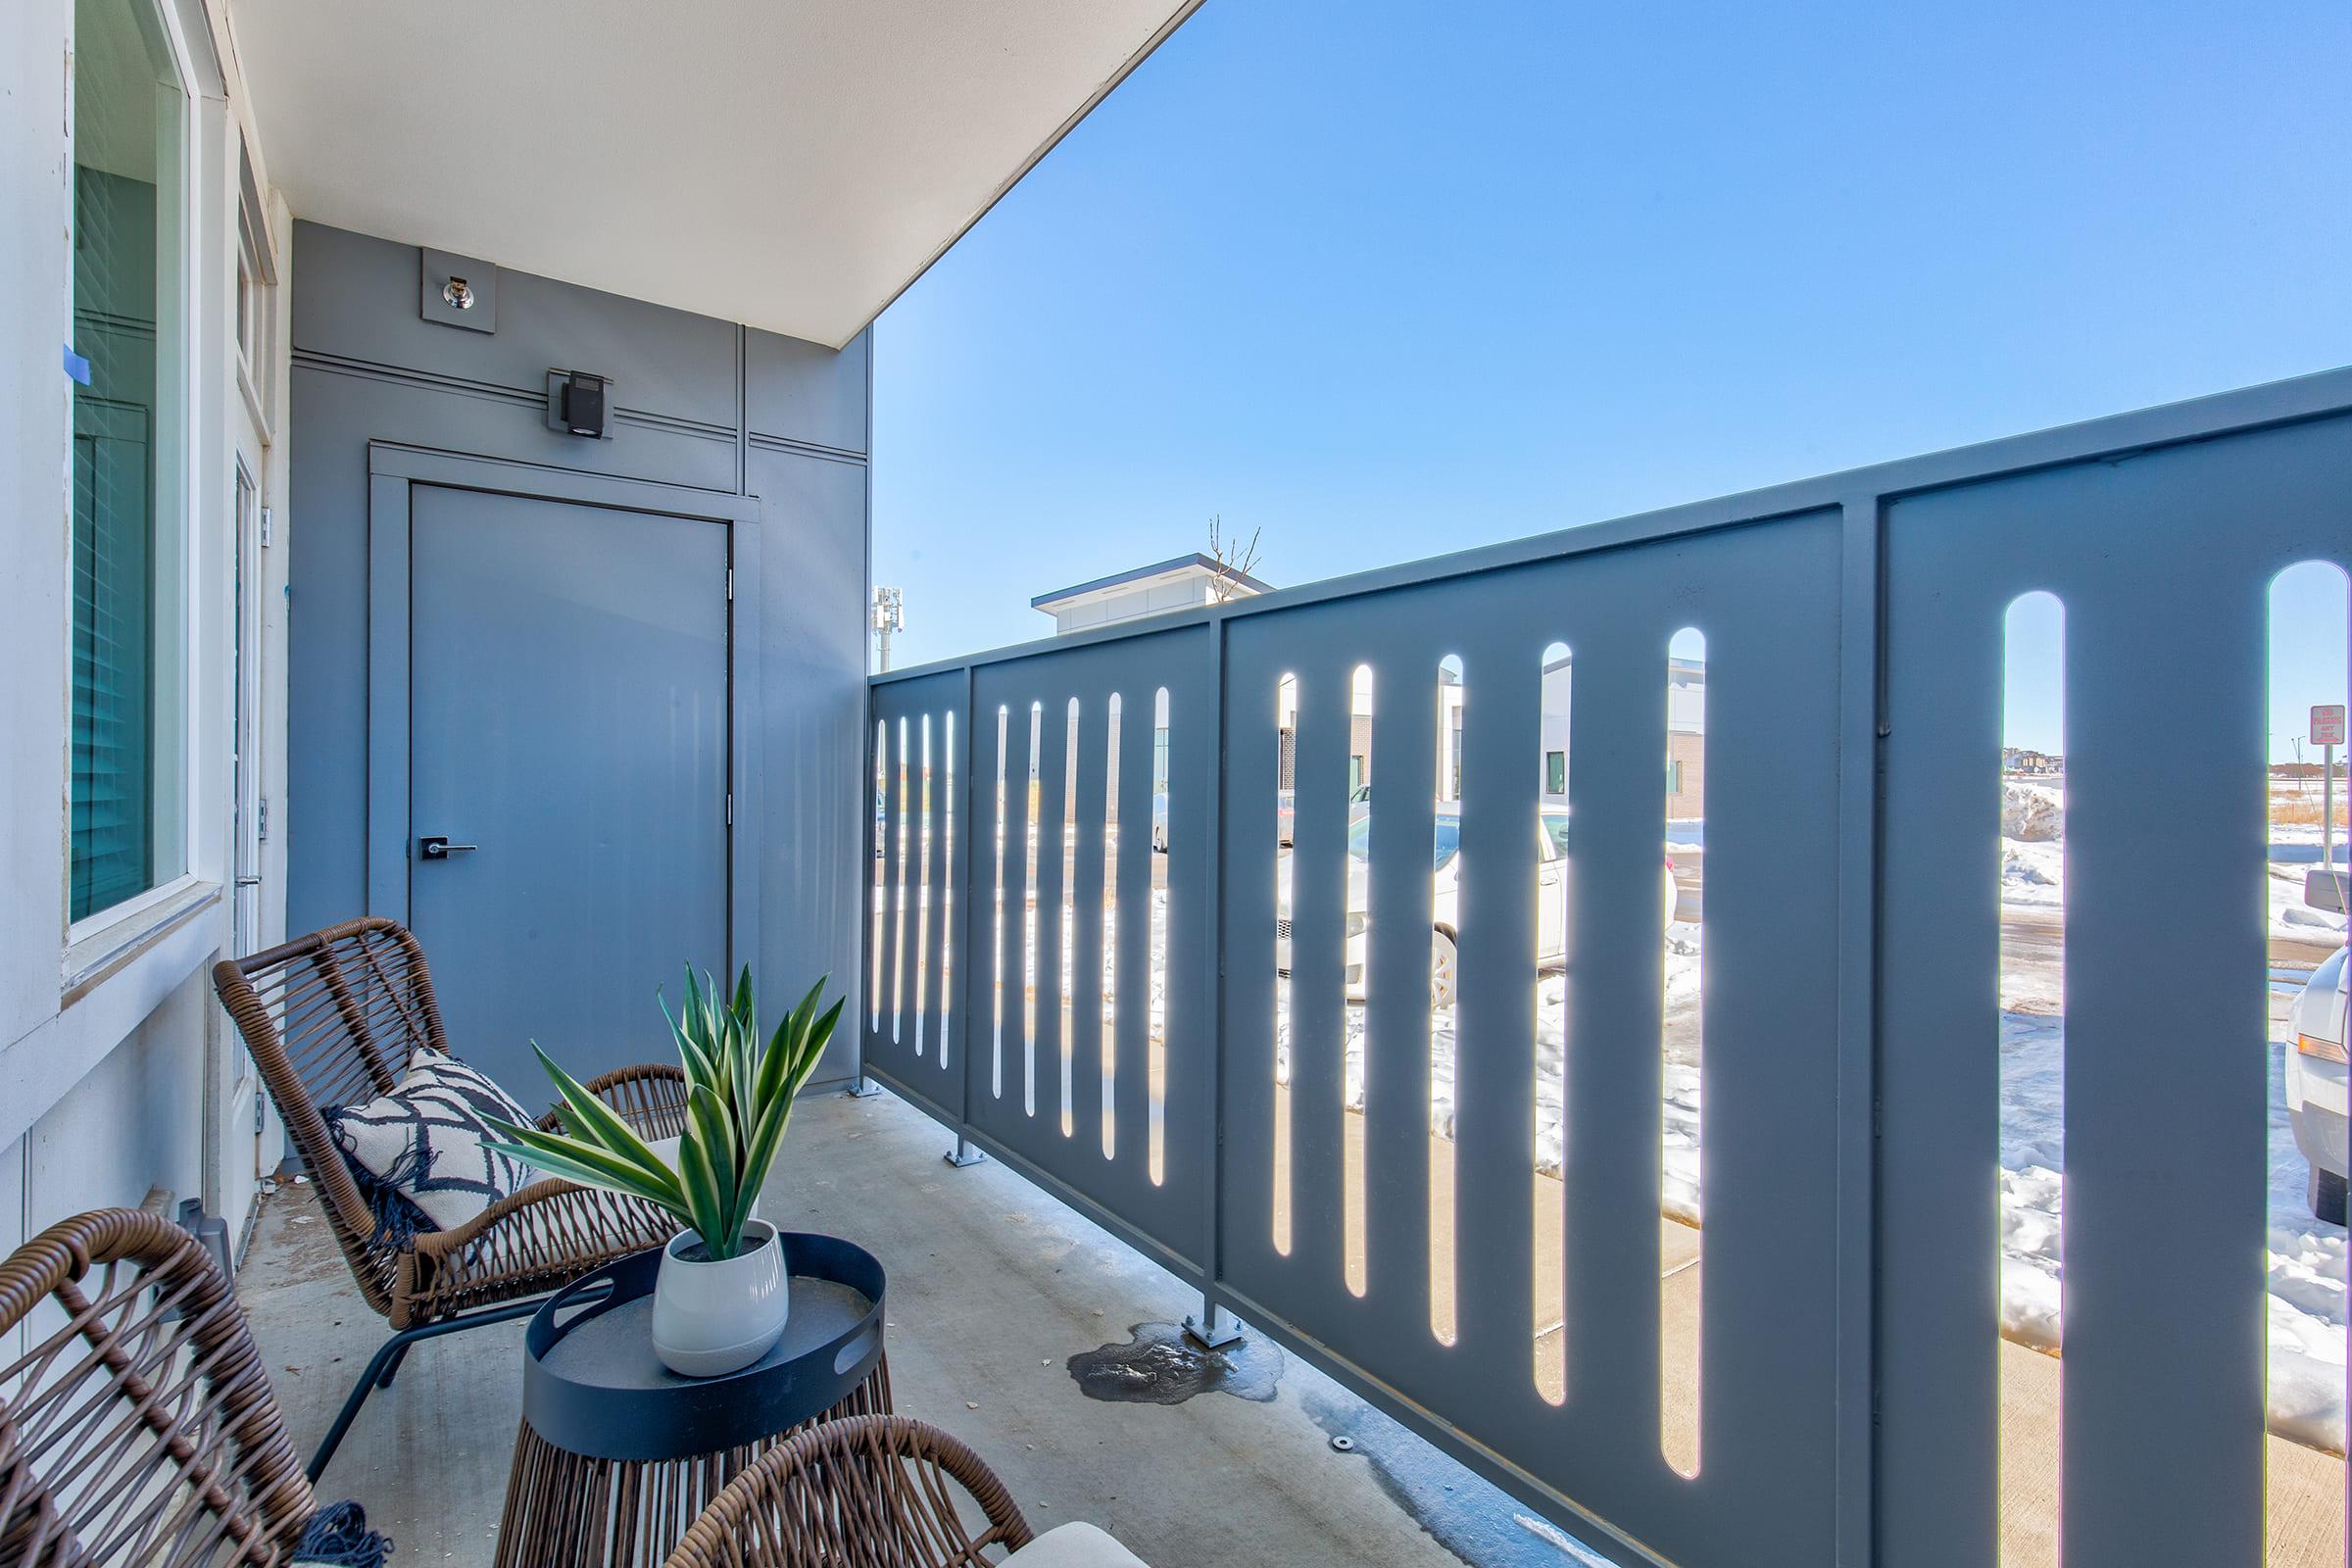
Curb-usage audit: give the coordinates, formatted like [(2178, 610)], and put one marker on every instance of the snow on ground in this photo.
[(2306, 1279), (2306, 835), (2290, 916), (2032, 1158), (2034, 864), (2032, 873), (2306, 1284)]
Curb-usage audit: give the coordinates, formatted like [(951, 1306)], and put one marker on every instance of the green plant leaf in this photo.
[(704, 1215), (592, 1121), (707, 1160), (691, 1053), (739, 1104), (760, 1150), (677, 1031), (591, 1169), (775, 1064), (743, 1041), (536, 1143), (813, 1051)]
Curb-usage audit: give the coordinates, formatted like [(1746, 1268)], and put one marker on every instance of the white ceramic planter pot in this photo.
[(716, 1318)]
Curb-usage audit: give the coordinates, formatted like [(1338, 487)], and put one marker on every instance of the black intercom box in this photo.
[(579, 402)]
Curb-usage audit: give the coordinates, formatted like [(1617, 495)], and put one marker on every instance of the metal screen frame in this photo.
[(1846, 1413)]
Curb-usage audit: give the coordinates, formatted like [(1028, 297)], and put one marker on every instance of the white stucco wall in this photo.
[(109, 1036)]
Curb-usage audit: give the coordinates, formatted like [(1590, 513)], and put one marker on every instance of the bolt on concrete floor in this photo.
[(994, 1286)]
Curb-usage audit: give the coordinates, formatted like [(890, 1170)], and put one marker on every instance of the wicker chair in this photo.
[(865, 1492), (332, 1018), (139, 1429)]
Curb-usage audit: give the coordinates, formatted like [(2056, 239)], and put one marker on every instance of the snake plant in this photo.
[(739, 1097)]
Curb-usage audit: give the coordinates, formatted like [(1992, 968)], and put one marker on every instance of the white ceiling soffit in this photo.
[(792, 164)]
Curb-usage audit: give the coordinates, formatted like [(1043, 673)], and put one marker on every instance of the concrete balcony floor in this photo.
[(994, 1288)]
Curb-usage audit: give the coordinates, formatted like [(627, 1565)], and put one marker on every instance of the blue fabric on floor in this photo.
[(338, 1536)]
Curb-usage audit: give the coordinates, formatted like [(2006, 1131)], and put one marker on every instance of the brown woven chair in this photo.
[(332, 1020), (139, 1429), (865, 1492)]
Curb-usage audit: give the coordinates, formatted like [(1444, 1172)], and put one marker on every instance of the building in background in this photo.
[(1184, 582), (1686, 734)]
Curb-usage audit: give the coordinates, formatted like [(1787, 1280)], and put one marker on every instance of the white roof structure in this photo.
[(789, 165)]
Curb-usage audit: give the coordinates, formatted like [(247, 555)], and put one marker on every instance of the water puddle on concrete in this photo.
[(1163, 1365)]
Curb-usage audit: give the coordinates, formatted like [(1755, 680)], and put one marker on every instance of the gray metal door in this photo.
[(570, 721)]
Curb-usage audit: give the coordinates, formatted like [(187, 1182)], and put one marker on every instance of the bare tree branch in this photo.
[(1236, 559)]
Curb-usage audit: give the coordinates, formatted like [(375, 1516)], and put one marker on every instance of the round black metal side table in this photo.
[(617, 1456)]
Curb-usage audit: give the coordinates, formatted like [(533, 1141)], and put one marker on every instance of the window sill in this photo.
[(96, 955)]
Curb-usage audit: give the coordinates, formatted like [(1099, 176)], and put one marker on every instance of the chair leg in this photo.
[(392, 1367), (379, 1371), (386, 1361)]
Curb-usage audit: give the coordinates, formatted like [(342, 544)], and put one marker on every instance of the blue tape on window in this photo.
[(77, 366)]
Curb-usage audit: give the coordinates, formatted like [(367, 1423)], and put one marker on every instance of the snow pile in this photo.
[(2032, 851), (2032, 813), (2306, 1292), (2032, 872), (2305, 1283), (2306, 1301), (2031, 1178), (2306, 1288), (2033, 848), (2030, 1255)]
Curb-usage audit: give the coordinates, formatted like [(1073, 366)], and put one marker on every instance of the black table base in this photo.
[(566, 1510)]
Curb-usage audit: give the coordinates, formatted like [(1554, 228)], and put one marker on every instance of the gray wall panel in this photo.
[(325, 813), (800, 391), (369, 370), (358, 301), (815, 517), (492, 424)]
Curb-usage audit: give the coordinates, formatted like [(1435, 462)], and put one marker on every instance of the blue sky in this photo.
[(1386, 280)]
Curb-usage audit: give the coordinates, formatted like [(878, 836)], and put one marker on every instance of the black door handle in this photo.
[(438, 848)]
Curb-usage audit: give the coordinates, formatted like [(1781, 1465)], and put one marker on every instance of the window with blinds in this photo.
[(127, 664)]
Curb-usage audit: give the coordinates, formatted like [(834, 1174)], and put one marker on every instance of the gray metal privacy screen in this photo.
[(1021, 959)]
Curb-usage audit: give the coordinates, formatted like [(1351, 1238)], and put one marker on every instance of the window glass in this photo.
[(128, 716), (1448, 838), (1555, 828)]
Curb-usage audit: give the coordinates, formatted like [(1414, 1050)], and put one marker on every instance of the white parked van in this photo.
[(2316, 1073)]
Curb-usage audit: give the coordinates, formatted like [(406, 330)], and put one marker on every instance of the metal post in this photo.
[(963, 1154), (1861, 732), (2327, 807), (1213, 1326)]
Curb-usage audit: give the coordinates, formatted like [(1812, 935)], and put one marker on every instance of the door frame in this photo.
[(246, 660), (394, 471)]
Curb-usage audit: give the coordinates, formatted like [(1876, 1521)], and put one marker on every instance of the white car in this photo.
[(2316, 1073), (1552, 884)]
